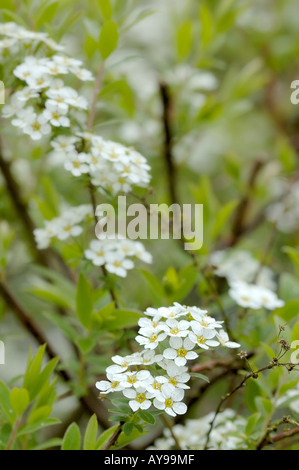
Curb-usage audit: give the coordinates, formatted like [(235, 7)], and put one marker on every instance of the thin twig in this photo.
[(90, 402), (168, 156), (113, 439)]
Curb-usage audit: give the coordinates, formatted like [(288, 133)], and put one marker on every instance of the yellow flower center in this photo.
[(173, 381), (169, 403), (114, 384), (201, 340), (157, 386), (140, 397), (174, 331), (132, 379), (182, 352), (76, 164), (36, 126), (153, 338), (55, 116)]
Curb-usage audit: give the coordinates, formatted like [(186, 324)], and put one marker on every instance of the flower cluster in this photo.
[(251, 284), (116, 254), (63, 227), (41, 101), (193, 434), (111, 166), (42, 105), (285, 213), (14, 37), (170, 336)]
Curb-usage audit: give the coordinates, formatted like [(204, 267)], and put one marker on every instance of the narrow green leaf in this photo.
[(108, 39), (72, 438), (19, 399), (91, 434)]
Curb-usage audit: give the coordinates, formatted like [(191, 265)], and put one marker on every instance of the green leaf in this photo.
[(108, 39), (72, 438), (207, 25), (223, 216), (5, 405), (289, 311), (264, 406), (84, 301), (46, 13), (91, 434), (252, 391), (32, 428), (105, 7), (128, 428), (200, 376), (121, 319), (124, 440), (251, 423), (184, 39), (293, 255), (155, 287), (11, 16), (19, 399), (187, 279), (147, 417), (39, 414), (295, 333), (104, 438), (55, 442)]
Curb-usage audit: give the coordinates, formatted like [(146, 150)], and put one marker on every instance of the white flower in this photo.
[(177, 328), (24, 117), (83, 74), (223, 339), (170, 400), (36, 127), (156, 385), (203, 336), (150, 339), (253, 296), (55, 113), (68, 229), (111, 385), (177, 376), (38, 82), (96, 253), (180, 351), (26, 94), (139, 399), (207, 322), (118, 266), (148, 357), (77, 164), (136, 379), (171, 312)]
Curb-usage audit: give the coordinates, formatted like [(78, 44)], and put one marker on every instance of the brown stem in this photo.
[(253, 374), (96, 92), (168, 156), (44, 257), (114, 437), (90, 402), (13, 434), (239, 225)]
